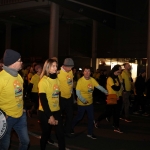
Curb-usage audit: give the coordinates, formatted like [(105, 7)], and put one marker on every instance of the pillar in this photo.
[(54, 28), (148, 42), (94, 44)]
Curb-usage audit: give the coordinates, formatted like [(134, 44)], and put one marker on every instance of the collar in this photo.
[(11, 71)]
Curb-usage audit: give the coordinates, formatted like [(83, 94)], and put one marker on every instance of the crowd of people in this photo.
[(53, 93)]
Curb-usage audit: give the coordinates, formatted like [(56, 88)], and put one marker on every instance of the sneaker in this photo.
[(122, 118), (50, 141), (96, 124), (72, 131), (69, 135), (91, 136), (128, 120), (145, 114), (117, 130), (136, 113), (107, 119)]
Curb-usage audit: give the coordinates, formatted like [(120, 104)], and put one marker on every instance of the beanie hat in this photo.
[(10, 57), (68, 62)]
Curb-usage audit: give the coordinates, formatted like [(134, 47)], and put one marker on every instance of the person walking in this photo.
[(140, 86), (84, 90), (49, 109), (66, 93), (126, 77), (112, 107), (33, 90), (11, 100)]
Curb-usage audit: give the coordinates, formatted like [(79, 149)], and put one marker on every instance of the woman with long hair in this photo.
[(49, 109), (113, 87)]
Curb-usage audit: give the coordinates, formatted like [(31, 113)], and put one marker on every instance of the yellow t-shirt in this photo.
[(51, 88), (86, 88), (24, 73), (35, 80), (29, 77), (110, 83), (126, 76), (66, 83), (11, 94)]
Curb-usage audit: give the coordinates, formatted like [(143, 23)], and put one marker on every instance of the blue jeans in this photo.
[(80, 113), (20, 126)]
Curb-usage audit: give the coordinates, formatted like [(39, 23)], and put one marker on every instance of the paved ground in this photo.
[(136, 135)]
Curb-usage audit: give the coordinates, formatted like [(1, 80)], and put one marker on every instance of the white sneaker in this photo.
[(91, 136)]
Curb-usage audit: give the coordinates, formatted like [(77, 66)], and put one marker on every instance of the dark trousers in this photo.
[(111, 110), (46, 130), (35, 100), (80, 113), (66, 105), (140, 101)]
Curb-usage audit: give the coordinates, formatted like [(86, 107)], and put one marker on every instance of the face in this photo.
[(87, 73), (128, 67), (39, 69), (17, 65), (144, 74), (118, 72), (53, 68), (67, 69), (74, 70)]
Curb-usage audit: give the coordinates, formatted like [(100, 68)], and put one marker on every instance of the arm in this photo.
[(44, 103), (124, 85), (115, 88), (83, 100), (102, 89)]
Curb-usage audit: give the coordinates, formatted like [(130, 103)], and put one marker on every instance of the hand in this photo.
[(86, 102), (52, 121), (106, 94)]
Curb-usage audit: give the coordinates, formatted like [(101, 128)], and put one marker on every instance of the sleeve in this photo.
[(78, 91), (115, 88), (112, 85), (96, 85), (32, 80), (102, 89), (44, 103), (83, 100), (110, 81), (43, 99)]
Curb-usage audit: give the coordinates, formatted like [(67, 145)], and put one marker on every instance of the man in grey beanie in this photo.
[(66, 98), (11, 100)]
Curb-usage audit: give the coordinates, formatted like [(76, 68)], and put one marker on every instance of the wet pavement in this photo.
[(136, 135)]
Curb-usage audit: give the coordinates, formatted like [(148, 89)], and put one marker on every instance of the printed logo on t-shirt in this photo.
[(90, 89), (69, 80), (55, 91), (17, 88), (18, 92)]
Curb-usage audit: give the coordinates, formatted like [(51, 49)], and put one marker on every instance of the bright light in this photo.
[(111, 63)]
